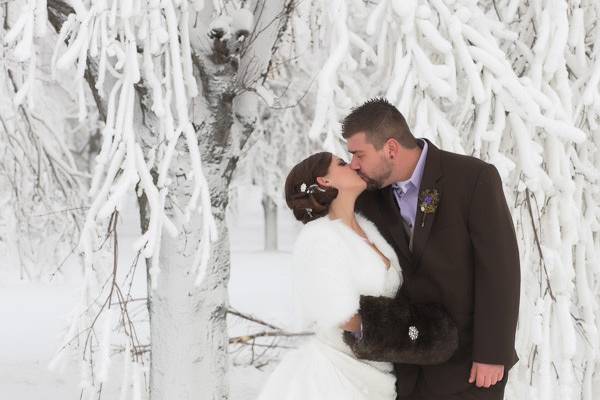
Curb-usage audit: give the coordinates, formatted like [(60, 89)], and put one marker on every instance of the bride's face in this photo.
[(342, 177)]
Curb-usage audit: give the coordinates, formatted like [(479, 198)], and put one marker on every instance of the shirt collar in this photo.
[(417, 175)]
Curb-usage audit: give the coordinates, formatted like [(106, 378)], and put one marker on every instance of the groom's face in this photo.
[(371, 164)]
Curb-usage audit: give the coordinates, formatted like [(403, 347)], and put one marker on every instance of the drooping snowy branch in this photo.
[(113, 33)]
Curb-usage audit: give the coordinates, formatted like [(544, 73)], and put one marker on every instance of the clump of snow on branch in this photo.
[(130, 42), (31, 24)]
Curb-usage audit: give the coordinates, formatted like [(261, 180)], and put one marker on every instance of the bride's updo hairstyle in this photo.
[(306, 199)]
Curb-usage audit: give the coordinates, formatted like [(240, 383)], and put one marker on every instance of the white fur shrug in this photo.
[(333, 267)]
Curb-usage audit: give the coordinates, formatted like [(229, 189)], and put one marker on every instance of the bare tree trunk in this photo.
[(188, 357), (188, 325), (270, 218)]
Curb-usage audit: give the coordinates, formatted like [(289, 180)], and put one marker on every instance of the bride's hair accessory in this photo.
[(308, 190), (311, 189)]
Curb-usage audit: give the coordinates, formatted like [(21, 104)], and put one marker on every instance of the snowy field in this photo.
[(35, 315)]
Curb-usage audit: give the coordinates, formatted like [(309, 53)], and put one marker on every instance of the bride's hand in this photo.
[(353, 324)]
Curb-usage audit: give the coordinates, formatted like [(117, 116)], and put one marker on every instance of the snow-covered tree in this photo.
[(277, 144), (280, 139), (175, 84)]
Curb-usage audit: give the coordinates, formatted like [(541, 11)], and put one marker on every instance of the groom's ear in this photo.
[(391, 148)]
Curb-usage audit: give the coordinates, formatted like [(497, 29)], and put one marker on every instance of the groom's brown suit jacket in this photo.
[(465, 257)]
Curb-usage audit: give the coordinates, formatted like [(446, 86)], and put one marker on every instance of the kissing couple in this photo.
[(407, 267)]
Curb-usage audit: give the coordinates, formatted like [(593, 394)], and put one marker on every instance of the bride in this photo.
[(338, 256)]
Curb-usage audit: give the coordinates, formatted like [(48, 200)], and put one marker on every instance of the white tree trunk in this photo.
[(188, 328), (270, 218), (188, 323), (188, 356)]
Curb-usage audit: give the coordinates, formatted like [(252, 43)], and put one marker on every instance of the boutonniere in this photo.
[(429, 199)]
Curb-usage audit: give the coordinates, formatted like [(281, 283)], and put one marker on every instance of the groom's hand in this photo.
[(486, 375)]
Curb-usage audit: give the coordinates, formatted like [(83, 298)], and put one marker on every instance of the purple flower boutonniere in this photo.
[(429, 199)]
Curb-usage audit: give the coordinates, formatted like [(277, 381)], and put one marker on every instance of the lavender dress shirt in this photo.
[(407, 192)]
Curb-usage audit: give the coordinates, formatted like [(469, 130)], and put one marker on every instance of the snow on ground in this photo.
[(260, 281), (35, 315), (32, 318)]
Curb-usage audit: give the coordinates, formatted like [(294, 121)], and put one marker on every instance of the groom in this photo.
[(446, 216)]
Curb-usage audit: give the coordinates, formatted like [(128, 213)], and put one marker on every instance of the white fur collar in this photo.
[(379, 241)]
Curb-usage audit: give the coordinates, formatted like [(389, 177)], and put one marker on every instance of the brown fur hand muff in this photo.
[(421, 334)]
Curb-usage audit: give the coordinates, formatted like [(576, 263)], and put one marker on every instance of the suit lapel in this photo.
[(430, 180), (392, 218)]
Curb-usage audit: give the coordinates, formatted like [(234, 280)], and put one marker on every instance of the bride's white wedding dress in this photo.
[(332, 267)]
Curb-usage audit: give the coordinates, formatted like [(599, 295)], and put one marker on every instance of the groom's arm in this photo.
[(496, 271), (396, 331)]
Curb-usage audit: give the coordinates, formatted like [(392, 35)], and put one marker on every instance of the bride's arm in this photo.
[(323, 286), (405, 333)]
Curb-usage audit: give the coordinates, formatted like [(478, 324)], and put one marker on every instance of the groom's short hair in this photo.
[(380, 121)]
